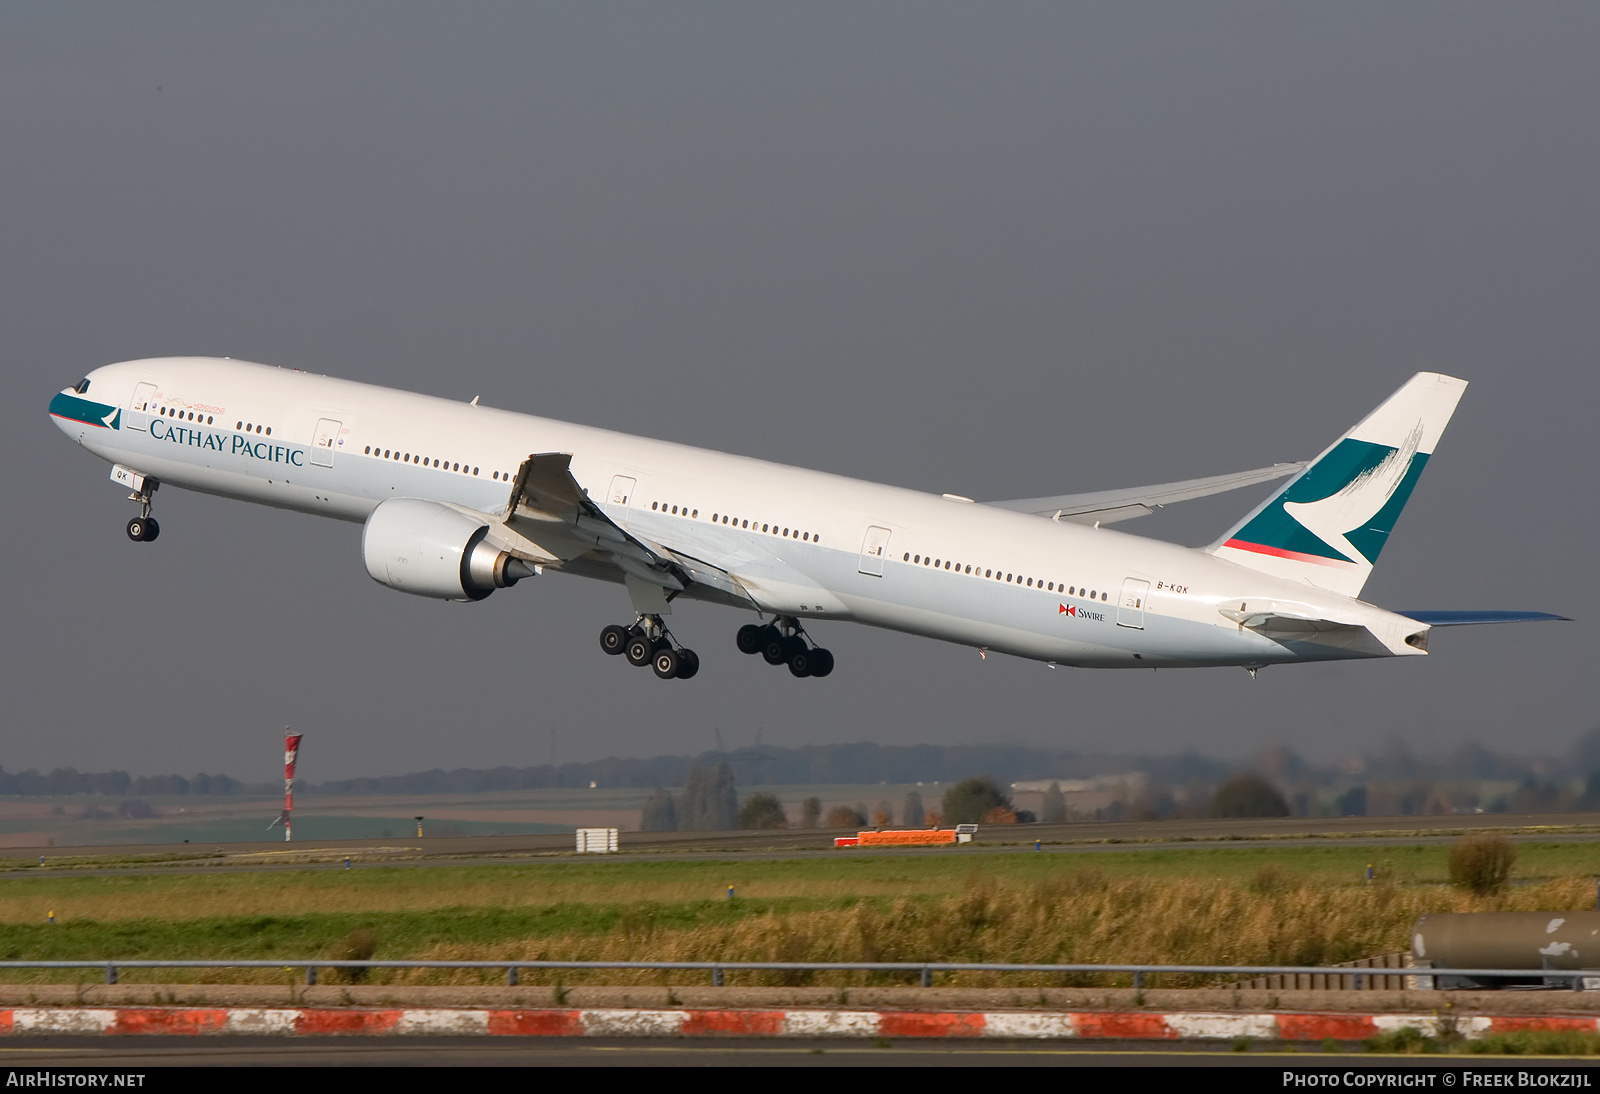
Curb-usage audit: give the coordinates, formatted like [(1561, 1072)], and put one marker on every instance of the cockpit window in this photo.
[(82, 386)]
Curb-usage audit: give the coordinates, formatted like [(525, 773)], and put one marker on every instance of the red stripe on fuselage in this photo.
[(1279, 552)]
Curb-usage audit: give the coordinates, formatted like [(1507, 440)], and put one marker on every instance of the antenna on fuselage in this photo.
[(475, 400)]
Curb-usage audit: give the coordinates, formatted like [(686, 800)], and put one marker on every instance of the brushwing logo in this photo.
[(1362, 499), (1341, 511)]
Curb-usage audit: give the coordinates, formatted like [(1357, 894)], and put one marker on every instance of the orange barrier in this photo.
[(908, 836)]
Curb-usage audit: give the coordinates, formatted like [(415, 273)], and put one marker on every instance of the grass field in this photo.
[(1271, 905)]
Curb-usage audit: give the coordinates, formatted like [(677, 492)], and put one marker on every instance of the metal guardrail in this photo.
[(717, 969)]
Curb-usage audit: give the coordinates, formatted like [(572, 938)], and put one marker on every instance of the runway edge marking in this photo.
[(758, 1022)]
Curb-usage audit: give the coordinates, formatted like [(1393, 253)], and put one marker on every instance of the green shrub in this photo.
[(762, 811), (1407, 1039), (1537, 1042), (1481, 863), (359, 945)]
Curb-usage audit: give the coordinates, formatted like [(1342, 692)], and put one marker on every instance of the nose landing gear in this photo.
[(785, 642), (144, 528), (648, 642)]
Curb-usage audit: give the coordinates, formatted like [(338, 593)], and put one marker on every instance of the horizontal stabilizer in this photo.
[(1282, 623), (1465, 619), (1110, 506)]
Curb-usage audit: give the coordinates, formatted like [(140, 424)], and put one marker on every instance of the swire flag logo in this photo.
[(1067, 610)]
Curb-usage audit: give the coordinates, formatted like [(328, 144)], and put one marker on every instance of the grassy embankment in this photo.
[(1289, 905)]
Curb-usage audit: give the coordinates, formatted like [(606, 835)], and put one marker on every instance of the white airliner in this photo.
[(458, 500)]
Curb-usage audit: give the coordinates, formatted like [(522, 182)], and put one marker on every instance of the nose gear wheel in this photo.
[(144, 528)]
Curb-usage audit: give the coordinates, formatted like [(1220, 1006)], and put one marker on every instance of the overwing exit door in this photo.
[(622, 487)]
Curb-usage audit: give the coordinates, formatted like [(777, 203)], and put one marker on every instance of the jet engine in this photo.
[(428, 549)]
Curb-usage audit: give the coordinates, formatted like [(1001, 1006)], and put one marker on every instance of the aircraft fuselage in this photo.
[(798, 543)]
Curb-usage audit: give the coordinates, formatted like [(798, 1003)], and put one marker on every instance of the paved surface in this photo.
[(1079, 838), (153, 1052)]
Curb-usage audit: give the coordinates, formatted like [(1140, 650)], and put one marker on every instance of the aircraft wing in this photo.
[(1110, 506), (548, 508)]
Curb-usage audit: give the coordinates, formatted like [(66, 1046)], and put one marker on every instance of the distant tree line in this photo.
[(857, 763), (1392, 781), (64, 781)]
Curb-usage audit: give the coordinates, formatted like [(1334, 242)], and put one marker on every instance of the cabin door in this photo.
[(323, 441), (1130, 610), (622, 488), (139, 406), (873, 548)]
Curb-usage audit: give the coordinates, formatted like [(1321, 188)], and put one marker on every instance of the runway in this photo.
[(1074, 838)]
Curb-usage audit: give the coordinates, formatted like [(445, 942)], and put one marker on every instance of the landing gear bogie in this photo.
[(785, 642), (648, 642)]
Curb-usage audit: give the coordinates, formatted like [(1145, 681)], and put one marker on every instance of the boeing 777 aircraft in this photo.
[(458, 500)]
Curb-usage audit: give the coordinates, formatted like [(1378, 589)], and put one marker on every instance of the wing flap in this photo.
[(1110, 506), (549, 508)]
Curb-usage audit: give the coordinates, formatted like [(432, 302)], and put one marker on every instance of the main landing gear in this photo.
[(648, 642), (785, 642), (144, 528)]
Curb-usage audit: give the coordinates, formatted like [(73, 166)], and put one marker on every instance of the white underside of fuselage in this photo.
[(951, 570)]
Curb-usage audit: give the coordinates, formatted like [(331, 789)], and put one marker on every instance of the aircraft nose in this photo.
[(74, 411)]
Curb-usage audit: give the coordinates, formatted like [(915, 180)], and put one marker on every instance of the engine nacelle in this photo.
[(428, 549)]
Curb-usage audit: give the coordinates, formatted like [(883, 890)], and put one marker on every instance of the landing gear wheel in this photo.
[(688, 664), (775, 651), (821, 662), (666, 663), (639, 651), (138, 529), (152, 529), (751, 638), (614, 639), (800, 662)]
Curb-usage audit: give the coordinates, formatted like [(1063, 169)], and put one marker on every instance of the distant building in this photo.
[(1084, 796)]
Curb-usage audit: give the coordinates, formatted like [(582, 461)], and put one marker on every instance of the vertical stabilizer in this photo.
[(1327, 527)]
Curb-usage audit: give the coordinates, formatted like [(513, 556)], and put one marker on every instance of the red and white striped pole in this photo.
[(291, 751)]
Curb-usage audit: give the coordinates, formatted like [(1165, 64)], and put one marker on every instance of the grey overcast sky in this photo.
[(996, 249)]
